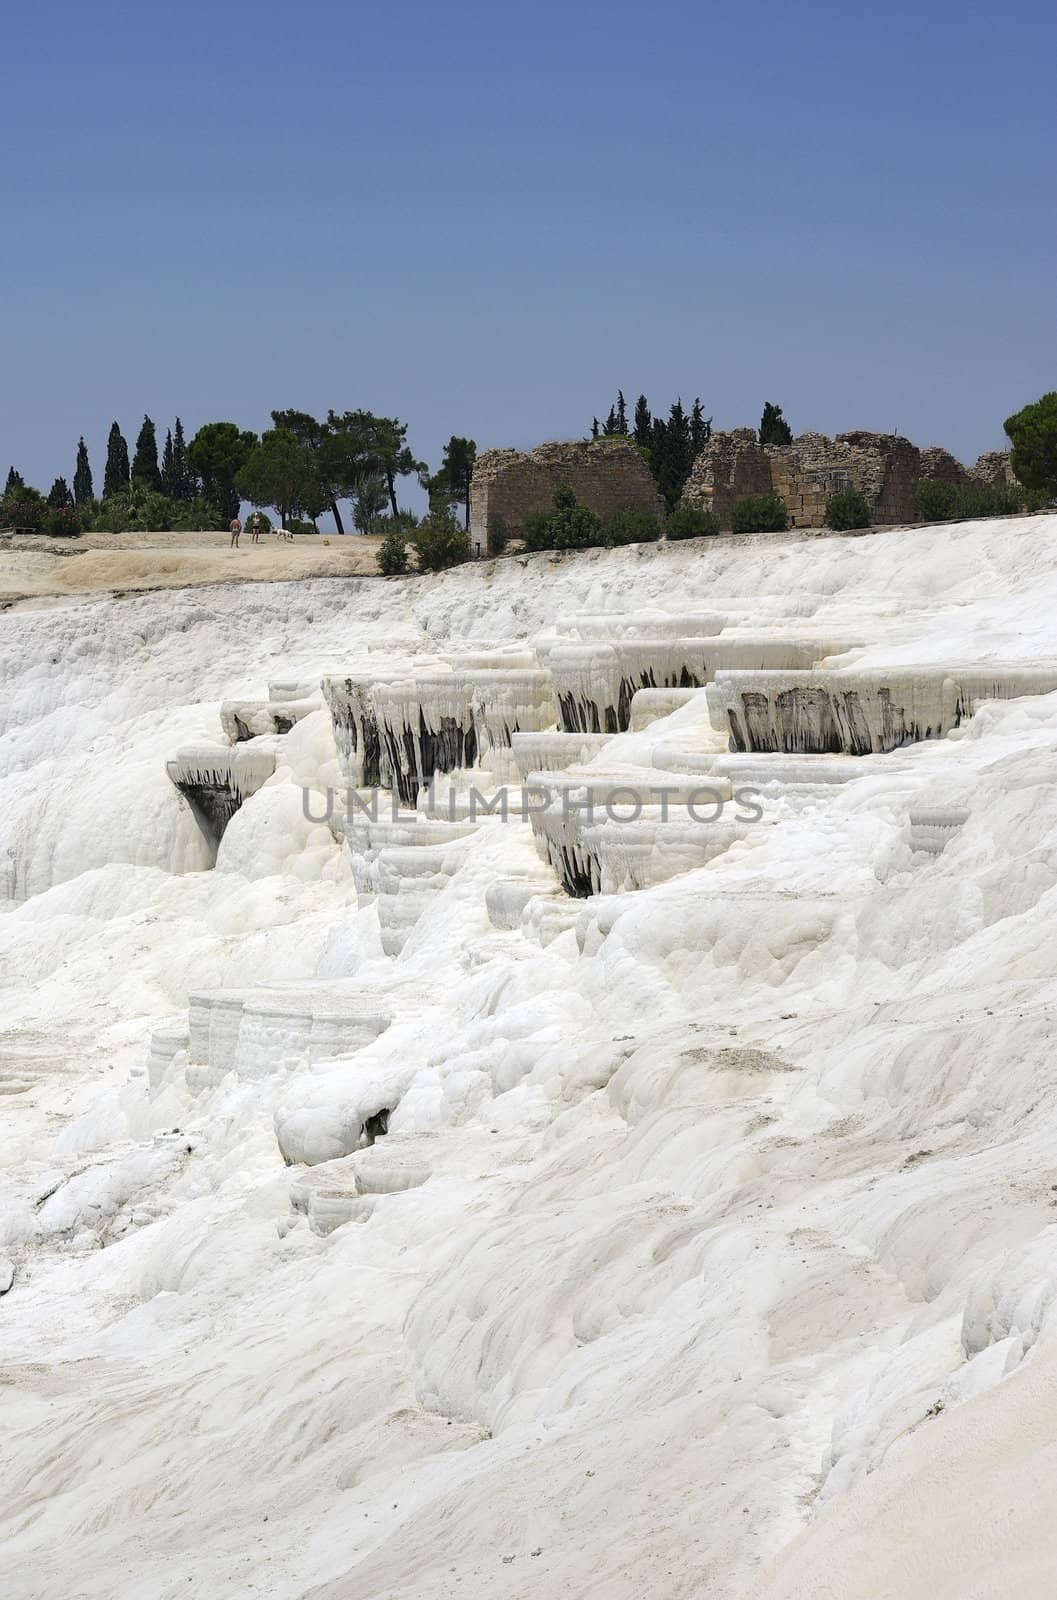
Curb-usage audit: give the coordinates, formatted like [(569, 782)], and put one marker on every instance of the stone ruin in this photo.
[(884, 467), (610, 474), (607, 475)]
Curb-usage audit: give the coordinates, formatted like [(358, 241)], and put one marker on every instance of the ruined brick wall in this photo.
[(994, 467), (605, 474), (731, 466), (884, 467)]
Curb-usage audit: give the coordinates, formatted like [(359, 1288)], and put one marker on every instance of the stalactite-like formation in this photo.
[(215, 781), (860, 711)]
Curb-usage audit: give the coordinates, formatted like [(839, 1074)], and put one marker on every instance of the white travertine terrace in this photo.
[(215, 781), (710, 1167), (648, 705), (254, 719), (637, 855), (426, 727), (255, 1032), (566, 828), (860, 711), (350, 700), (595, 683), (650, 624), (553, 751), (506, 703)]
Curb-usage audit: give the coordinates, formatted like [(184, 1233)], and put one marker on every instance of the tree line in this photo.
[(302, 467), (670, 445)]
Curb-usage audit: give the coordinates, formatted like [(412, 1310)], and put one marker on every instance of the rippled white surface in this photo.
[(717, 1214)]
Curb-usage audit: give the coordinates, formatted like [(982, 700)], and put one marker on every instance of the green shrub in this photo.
[(848, 508), (631, 527), (197, 516), (498, 535), (934, 499), (988, 500), (392, 554), (570, 526), (690, 522), (536, 531), (939, 501), (25, 508), (265, 522), (440, 542), (759, 513), (137, 508), (66, 521)]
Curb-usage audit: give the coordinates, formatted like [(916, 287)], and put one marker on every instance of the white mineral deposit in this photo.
[(536, 1082)]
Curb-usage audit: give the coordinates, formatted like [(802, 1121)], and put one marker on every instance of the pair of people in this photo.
[(235, 527)]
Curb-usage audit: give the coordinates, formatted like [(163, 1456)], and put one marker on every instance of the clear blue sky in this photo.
[(484, 218)]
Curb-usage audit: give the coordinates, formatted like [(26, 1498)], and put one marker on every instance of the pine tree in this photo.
[(672, 456), (610, 423), (15, 481), (184, 484), (59, 494), (168, 478), (773, 427), (145, 461), (116, 474), (622, 415), (82, 477), (700, 429), (643, 427)]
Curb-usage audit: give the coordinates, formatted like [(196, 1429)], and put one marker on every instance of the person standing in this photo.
[(255, 524), (236, 529)]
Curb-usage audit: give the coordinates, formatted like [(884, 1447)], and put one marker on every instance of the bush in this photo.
[(631, 527), (847, 509), (265, 522), (934, 498), (691, 522), (24, 508), (298, 525), (939, 501), (66, 521), (536, 531), (498, 536), (392, 554), (137, 508), (570, 526), (197, 516), (440, 542), (759, 513)]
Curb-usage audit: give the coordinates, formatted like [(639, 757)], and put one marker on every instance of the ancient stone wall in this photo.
[(605, 474), (884, 467)]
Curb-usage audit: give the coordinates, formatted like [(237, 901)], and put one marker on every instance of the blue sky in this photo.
[(484, 219)]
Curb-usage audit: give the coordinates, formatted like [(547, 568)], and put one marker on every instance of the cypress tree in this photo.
[(610, 423), (168, 477), (622, 415), (643, 426), (145, 461), (773, 427), (184, 485), (15, 480), (82, 477), (700, 429), (594, 427), (116, 475), (59, 495), (671, 462)]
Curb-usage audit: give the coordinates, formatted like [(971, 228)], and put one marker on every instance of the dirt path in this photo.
[(34, 567)]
